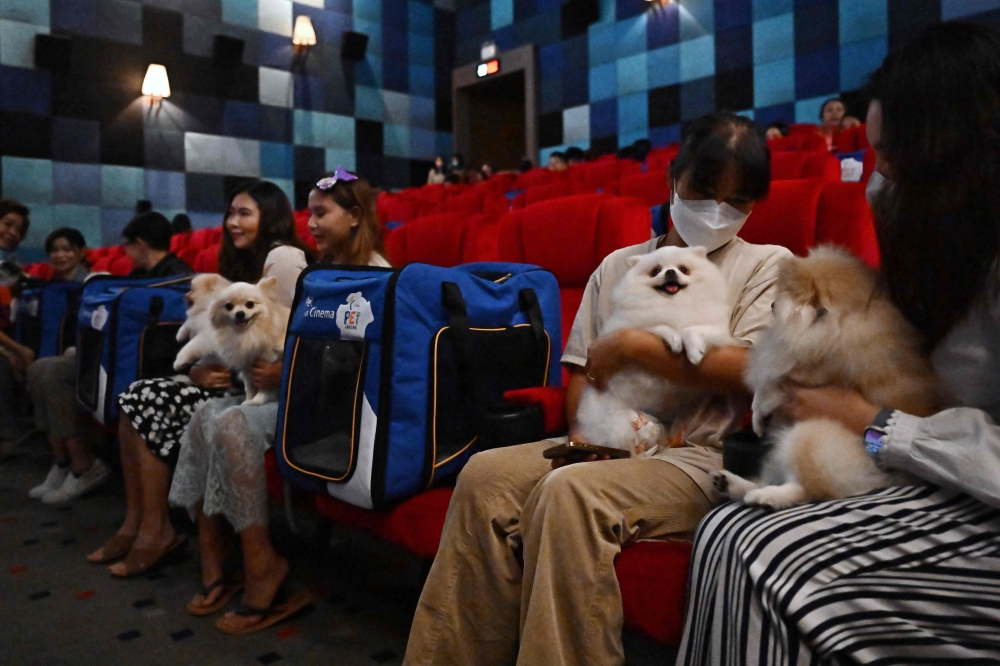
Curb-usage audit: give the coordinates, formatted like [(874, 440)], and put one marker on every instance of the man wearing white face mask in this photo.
[(480, 605)]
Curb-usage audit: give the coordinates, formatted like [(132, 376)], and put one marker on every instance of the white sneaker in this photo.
[(74, 486), (57, 475)]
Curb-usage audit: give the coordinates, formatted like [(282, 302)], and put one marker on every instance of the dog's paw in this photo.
[(773, 498), (671, 337), (695, 345), (720, 481)]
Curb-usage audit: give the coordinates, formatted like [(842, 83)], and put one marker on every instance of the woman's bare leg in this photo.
[(129, 443)]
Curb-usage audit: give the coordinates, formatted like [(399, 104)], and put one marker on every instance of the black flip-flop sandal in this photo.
[(283, 606), (231, 587)]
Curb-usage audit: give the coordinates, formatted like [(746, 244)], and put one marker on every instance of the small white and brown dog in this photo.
[(197, 328), (250, 326), (832, 326), (681, 296)]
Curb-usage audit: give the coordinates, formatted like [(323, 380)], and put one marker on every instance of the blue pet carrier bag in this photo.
[(46, 317), (394, 378), (126, 330)]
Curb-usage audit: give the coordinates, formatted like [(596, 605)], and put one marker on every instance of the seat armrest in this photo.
[(551, 399)]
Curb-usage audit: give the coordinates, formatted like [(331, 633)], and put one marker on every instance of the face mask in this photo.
[(707, 223), (876, 184)]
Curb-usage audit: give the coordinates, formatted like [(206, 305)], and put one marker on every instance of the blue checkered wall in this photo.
[(80, 147), (642, 71)]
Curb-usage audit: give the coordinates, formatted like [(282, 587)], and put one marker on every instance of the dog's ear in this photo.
[(633, 260), (269, 287)]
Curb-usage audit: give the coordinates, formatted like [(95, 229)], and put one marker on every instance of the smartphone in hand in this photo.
[(578, 451)]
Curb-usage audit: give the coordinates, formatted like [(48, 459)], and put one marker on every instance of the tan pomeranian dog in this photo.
[(832, 326), (197, 328), (250, 326)]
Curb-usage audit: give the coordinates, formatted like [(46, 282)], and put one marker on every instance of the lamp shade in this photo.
[(303, 35), (156, 83)]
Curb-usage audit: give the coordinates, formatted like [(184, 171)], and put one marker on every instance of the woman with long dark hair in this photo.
[(220, 475), (907, 574), (258, 240)]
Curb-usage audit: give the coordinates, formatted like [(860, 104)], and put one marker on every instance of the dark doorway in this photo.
[(496, 117)]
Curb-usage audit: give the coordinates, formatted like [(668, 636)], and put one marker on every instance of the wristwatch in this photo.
[(875, 434)]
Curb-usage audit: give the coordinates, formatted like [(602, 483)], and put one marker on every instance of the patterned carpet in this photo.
[(57, 609)]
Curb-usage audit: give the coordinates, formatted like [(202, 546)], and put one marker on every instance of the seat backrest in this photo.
[(445, 240), (189, 255), (556, 190), (396, 207), (208, 260), (853, 139), (823, 165), (41, 270), (600, 174), (200, 238), (121, 266), (787, 164), (534, 178), (571, 237), (659, 159), (179, 241), (652, 187), (868, 162), (844, 218), (787, 217), (501, 183)]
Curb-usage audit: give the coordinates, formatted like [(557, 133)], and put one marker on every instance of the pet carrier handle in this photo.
[(528, 302), (458, 320), (155, 310)]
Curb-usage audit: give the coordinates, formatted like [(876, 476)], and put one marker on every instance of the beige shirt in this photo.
[(696, 434)]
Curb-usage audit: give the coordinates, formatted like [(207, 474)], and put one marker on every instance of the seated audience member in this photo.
[(437, 174), (557, 161), (52, 381), (778, 129), (457, 163), (487, 170), (220, 474), (181, 224), (256, 242), (15, 218), (834, 119), (147, 244), (454, 178), (575, 155), (473, 176), (525, 567), (14, 358), (908, 574), (638, 151), (525, 165)]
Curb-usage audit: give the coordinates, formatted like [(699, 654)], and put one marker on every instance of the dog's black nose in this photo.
[(671, 275), (240, 316)]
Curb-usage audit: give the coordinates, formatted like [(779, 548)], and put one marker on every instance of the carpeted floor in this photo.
[(57, 609)]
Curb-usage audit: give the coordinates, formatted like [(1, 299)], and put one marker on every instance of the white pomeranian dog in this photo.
[(197, 328), (832, 326), (681, 296), (250, 326)]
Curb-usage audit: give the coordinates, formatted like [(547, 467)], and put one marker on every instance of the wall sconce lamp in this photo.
[(303, 36), (156, 84), (654, 4)]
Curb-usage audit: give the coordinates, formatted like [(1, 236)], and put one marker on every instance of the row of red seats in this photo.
[(806, 137), (570, 237)]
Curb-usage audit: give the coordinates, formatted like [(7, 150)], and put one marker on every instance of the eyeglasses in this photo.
[(340, 174)]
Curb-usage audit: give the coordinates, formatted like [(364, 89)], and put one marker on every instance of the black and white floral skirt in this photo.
[(160, 410)]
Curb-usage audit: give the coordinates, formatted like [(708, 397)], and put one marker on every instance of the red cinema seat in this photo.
[(501, 183), (570, 237), (793, 164), (599, 175), (396, 207), (659, 159), (787, 217), (868, 167), (853, 139), (652, 187), (207, 261), (478, 200), (41, 270), (179, 241), (534, 178), (121, 266), (200, 239), (188, 255), (102, 265), (845, 219), (556, 190), (93, 255), (445, 240)]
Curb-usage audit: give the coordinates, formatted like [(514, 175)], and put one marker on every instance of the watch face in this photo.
[(874, 441)]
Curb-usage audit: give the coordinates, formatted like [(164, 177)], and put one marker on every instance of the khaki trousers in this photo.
[(52, 381), (481, 607)]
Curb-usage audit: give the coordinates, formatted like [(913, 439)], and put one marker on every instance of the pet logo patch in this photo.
[(354, 316), (98, 318)]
